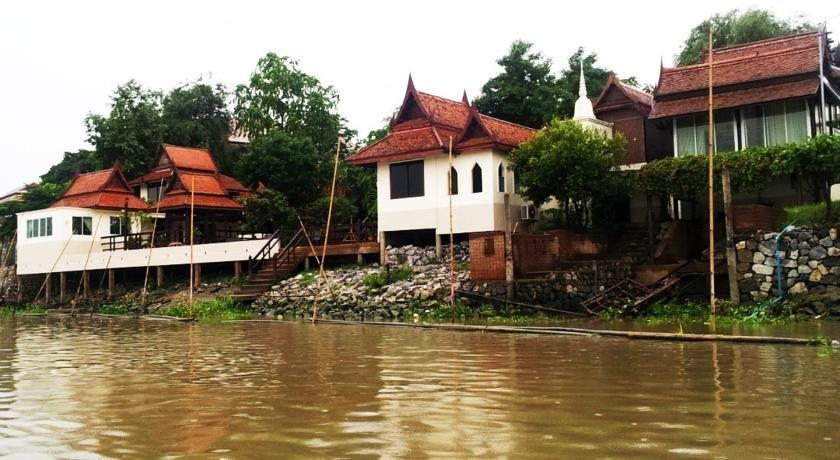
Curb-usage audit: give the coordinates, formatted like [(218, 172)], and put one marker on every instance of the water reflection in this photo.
[(88, 388)]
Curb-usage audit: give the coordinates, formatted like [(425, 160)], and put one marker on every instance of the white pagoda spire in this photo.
[(583, 106)]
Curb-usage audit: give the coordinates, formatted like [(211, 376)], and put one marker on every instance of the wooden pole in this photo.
[(159, 276), (85, 276), (731, 256), (451, 240), (192, 239), (322, 275), (151, 245), (711, 145)]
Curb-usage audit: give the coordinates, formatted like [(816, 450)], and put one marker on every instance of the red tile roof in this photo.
[(425, 123), (190, 158), (105, 189), (732, 99), (182, 200), (232, 185), (758, 72)]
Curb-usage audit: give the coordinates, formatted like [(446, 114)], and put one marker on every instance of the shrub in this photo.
[(215, 309), (384, 277), (113, 309)]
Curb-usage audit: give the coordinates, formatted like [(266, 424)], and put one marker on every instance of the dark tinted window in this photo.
[(476, 179), (407, 179)]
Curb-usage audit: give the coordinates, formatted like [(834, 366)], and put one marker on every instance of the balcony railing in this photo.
[(339, 234)]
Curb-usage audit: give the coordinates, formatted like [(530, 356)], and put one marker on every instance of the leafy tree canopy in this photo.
[(569, 163), (80, 160), (525, 91), (196, 115), (281, 96), (37, 196), (131, 132), (735, 27), (288, 164)]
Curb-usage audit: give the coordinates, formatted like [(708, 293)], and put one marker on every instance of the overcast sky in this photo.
[(60, 61)]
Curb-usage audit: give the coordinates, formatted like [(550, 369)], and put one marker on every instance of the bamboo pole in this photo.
[(55, 264), (84, 267), (309, 242), (322, 275), (711, 145), (731, 255), (451, 240), (192, 241), (572, 331), (151, 246)]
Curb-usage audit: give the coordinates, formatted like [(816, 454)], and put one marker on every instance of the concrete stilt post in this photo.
[(48, 288), (19, 290), (159, 276), (438, 245), (197, 274), (111, 282), (62, 287), (360, 259), (382, 255), (86, 284), (237, 272)]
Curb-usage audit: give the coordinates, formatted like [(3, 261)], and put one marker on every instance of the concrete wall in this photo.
[(472, 212)]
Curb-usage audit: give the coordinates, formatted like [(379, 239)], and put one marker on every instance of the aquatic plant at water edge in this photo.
[(219, 308)]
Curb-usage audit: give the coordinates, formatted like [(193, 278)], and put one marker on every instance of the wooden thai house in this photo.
[(181, 173), (628, 108)]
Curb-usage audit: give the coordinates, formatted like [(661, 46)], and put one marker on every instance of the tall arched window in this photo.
[(501, 177), (453, 178), (476, 179)]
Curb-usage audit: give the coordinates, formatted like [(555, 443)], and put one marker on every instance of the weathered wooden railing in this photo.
[(143, 240), (262, 256)]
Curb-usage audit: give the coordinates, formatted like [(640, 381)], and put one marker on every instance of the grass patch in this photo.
[(376, 281), (221, 308), (22, 310), (308, 278), (812, 214), (113, 309)]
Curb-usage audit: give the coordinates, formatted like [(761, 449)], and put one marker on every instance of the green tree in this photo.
[(64, 170), (595, 77), (525, 91), (735, 27), (37, 196), (572, 164), (287, 164), (131, 132), (196, 115), (281, 96)]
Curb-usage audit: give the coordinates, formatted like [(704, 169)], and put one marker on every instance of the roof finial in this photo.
[(582, 89), (465, 99), (583, 106)]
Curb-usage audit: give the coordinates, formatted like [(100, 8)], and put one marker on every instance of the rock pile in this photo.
[(348, 296), (809, 261)]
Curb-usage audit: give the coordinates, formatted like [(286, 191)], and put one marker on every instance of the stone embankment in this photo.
[(809, 262), (351, 292)]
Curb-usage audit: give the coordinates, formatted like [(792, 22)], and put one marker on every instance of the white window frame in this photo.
[(743, 125)]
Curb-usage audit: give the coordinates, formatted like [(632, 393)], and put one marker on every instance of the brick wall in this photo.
[(487, 256), (751, 217), (543, 252)]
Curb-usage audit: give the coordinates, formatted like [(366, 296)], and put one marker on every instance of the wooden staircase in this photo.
[(264, 269)]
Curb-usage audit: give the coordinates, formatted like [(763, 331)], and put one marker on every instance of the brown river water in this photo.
[(124, 388)]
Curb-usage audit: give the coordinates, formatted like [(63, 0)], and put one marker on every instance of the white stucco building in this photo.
[(412, 165)]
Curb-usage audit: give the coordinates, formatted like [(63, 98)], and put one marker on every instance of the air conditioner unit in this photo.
[(527, 212)]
